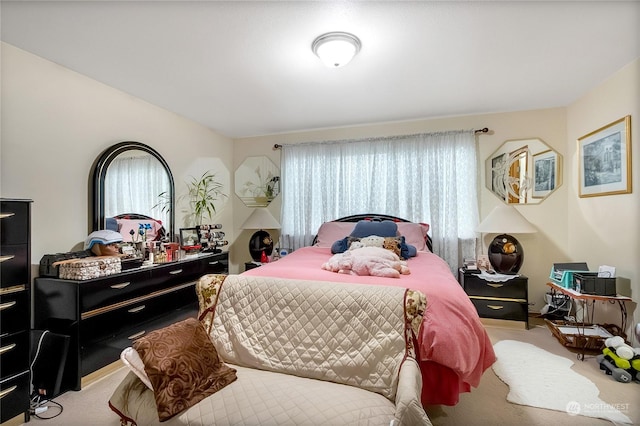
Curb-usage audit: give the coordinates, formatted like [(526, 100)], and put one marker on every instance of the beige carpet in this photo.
[(486, 405)]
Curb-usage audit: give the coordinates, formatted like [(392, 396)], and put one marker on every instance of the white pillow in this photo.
[(131, 359)]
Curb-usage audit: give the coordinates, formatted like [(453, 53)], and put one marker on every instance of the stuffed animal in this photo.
[(370, 241), (620, 360), (393, 244), (375, 261)]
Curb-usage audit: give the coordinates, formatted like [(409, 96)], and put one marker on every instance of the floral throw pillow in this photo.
[(182, 365)]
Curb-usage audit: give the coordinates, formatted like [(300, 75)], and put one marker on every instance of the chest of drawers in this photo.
[(15, 303), (506, 300), (103, 315)]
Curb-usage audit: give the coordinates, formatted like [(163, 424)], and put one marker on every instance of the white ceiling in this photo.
[(246, 68)]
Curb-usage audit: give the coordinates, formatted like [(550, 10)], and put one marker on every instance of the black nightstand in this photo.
[(507, 300), (251, 265)]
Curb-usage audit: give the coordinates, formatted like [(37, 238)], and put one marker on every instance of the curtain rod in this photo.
[(483, 130)]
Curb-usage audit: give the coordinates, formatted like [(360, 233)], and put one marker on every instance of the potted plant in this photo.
[(202, 194)]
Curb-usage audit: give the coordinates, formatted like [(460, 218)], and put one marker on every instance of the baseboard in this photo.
[(491, 322), (99, 374)]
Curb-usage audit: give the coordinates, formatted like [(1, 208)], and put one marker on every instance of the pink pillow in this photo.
[(331, 232), (414, 234)]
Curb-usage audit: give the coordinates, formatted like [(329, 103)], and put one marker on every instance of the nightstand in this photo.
[(506, 300), (251, 265)]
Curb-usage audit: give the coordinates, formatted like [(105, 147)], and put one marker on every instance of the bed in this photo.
[(454, 348)]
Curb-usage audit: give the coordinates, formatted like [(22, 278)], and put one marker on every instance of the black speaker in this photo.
[(48, 357)]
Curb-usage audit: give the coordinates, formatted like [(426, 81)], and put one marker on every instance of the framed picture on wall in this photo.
[(604, 160), (546, 169)]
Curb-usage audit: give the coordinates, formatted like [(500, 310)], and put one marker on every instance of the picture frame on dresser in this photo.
[(604, 160)]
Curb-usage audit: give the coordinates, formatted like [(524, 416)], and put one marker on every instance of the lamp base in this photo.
[(260, 242), (506, 254)]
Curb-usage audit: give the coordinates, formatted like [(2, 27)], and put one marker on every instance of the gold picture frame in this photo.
[(604, 160), (547, 169)]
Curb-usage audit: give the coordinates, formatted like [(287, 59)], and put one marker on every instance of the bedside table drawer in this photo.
[(515, 288), (500, 309)]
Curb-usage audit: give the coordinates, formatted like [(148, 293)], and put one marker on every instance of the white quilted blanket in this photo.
[(348, 334), (282, 334)]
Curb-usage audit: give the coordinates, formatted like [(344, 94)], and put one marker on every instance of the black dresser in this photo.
[(506, 300), (103, 315), (15, 303)]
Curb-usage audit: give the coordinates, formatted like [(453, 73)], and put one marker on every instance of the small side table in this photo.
[(581, 341), (507, 300), (251, 265)]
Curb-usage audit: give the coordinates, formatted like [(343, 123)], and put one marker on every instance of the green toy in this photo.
[(620, 360)]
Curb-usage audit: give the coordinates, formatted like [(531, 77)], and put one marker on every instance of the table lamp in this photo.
[(506, 254), (260, 243)]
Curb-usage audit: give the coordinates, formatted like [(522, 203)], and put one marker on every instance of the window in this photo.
[(428, 178)]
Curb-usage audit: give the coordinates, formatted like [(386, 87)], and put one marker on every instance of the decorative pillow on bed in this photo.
[(414, 234), (365, 228), (333, 231), (182, 365)]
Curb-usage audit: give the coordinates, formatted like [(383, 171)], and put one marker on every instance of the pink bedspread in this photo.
[(454, 347)]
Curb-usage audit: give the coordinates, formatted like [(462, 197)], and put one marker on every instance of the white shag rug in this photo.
[(541, 379)]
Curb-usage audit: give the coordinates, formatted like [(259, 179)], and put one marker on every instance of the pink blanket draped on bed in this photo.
[(455, 349)]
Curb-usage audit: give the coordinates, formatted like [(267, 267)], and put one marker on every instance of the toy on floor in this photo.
[(620, 360)]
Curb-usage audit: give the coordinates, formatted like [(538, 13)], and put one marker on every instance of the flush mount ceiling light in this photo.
[(336, 49)]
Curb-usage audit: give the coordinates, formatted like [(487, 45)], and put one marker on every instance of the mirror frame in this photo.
[(257, 199), (100, 168), (531, 148)]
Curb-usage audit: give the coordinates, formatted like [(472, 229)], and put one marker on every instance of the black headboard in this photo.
[(377, 218)]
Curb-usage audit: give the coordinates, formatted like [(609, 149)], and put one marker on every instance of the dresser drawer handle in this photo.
[(7, 305), (495, 285), (6, 215), (7, 391), (495, 307), (136, 309), (119, 286), (214, 262), (5, 258), (135, 336), (176, 272), (7, 348)]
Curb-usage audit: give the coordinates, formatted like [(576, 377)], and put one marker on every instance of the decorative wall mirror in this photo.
[(132, 179), (257, 181), (524, 171)]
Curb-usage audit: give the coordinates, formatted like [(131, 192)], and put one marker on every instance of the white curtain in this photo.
[(133, 185), (429, 178)]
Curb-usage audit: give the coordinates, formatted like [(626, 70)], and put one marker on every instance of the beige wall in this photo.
[(541, 249), (56, 122), (606, 230)]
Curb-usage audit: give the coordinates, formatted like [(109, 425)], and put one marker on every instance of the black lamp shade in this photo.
[(260, 242), (506, 254)]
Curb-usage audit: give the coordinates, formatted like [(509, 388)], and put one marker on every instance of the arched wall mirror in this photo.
[(132, 181), (257, 181), (523, 171)]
